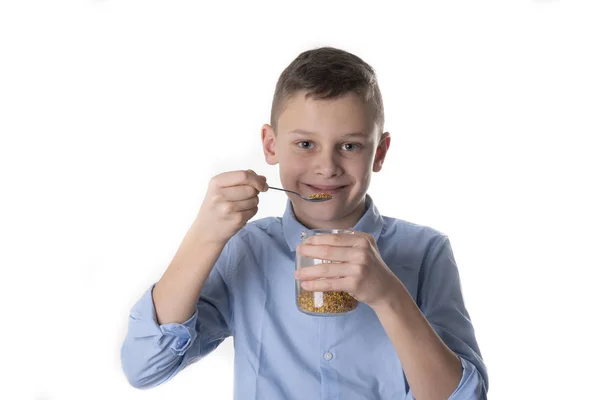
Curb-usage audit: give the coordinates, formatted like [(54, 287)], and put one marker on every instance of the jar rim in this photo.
[(322, 231)]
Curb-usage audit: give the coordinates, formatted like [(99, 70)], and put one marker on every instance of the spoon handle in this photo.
[(284, 190)]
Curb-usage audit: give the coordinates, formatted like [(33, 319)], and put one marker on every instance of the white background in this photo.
[(115, 114)]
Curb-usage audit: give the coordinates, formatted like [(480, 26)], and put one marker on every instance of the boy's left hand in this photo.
[(355, 260)]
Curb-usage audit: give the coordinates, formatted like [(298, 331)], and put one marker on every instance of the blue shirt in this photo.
[(284, 354)]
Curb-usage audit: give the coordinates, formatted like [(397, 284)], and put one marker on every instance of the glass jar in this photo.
[(321, 303)]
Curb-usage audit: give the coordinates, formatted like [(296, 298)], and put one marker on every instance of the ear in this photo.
[(381, 151), (268, 141)]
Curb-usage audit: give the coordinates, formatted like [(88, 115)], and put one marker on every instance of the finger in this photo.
[(261, 182), (327, 270), (246, 215), (329, 253), (236, 178), (237, 193), (365, 238), (245, 205), (328, 285), (228, 208)]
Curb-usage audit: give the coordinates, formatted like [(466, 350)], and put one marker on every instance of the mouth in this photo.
[(329, 189)]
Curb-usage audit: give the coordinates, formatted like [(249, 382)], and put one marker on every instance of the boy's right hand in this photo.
[(231, 200)]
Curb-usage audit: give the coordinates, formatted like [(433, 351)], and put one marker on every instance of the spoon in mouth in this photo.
[(314, 198)]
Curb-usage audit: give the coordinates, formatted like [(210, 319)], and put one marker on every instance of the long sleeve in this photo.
[(441, 301), (152, 354)]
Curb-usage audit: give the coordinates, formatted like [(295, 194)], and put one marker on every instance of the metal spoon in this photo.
[(303, 198)]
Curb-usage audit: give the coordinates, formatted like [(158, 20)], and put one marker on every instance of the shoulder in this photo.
[(258, 232), (408, 242), (265, 226), (400, 229), (413, 246), (249, 244)]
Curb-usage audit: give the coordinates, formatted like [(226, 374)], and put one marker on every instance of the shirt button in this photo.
[(328, 356)]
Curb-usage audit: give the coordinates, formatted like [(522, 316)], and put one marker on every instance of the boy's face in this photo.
[(326, 146)]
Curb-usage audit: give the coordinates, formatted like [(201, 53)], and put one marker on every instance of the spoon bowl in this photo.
[(309, 199)]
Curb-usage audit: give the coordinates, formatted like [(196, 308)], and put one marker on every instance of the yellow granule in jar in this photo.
[(320, 196), (332, 303)]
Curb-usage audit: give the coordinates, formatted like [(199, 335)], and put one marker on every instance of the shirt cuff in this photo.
[(181, 336), (471, 385), (184, 333)]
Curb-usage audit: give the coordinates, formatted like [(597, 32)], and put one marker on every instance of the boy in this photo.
[(410, 337)]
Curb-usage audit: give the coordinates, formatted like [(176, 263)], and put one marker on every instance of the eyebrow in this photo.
[(308, 133)]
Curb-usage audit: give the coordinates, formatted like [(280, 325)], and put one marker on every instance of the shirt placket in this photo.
[(330, 388)]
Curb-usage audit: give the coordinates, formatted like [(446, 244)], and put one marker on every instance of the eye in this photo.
[(351, 146), (305, 145)]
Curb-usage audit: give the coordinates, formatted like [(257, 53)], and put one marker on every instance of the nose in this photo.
[(327, 165)]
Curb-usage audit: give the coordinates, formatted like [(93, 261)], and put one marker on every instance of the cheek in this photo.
[(359, 168), (366, 181), (290, 167)]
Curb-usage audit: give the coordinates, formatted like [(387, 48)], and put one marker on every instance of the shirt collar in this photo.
[(371, 222)]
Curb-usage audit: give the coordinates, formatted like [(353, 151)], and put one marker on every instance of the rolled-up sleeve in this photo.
[(440, 299), (152, 354), (472, 384)]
